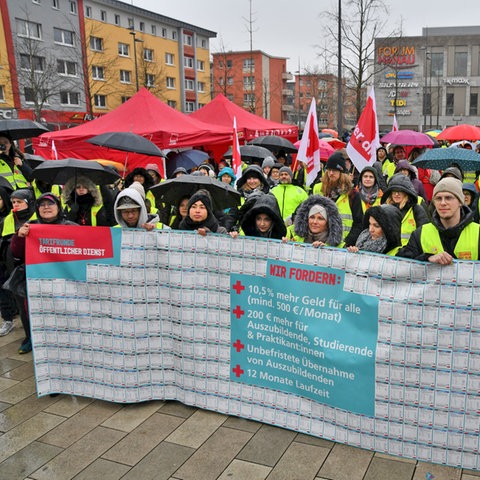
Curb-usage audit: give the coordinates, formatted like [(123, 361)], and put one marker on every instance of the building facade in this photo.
[(255, 81), (67, 61), (430, 81)]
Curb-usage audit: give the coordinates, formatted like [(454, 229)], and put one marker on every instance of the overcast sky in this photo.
[(292, 28)]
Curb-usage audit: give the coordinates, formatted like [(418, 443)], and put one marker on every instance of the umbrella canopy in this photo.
[(4, 183), (126, 142), (22, 128), (325, 149), (171, 191), (109, 163), (408, 137), (334, 142), (58, 172), (34, 160), (460, 132), (442, 158), (274, 143), (433, 133), (331, 132), (251, 153), (187, 159)]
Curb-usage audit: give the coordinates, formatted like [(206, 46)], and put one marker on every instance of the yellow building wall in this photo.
[(5, 76), (203, 54)]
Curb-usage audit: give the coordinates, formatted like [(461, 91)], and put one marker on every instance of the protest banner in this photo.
[(362, 349)]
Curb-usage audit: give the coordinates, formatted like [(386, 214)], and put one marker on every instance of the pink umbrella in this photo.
[(325, 149), (408, 137)]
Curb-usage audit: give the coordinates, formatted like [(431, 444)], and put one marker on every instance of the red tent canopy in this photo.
[(143, 114), (221, 111)]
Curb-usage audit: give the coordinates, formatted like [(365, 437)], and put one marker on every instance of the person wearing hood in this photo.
[(200, 215), (178, 172), (288, 196), (336, 184), (13, 165), (252, 180), (153, 170), (263, 219), (142, 176), (368, 188), (131, 212), (405, 167), (452, 233), (267, 164), (317, 221), (83, 203), (382, 231), (401, 194), (227, 175), (274, 175)]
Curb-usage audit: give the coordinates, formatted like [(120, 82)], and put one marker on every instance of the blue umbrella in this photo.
[(187, 159), (442, 158)]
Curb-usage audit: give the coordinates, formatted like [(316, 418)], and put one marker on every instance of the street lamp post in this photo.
[(299, 106), (135, 40)]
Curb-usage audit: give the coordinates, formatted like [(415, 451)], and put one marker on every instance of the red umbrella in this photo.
[(335, 143), (408, 137), (460, 132), (330, 131), (325, 149)]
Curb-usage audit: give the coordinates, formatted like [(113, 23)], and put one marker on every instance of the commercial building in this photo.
[(430, 81), (67, 61)]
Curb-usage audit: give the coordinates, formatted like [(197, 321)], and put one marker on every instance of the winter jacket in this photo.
[(389, 218), (412, 174), (265, 204), (289, 197)]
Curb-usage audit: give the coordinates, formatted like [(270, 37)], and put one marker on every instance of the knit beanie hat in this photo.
[(336, 161), (318, 209), (24, 194), (288, 170), (268, 162), (203, 196), (450, 185)]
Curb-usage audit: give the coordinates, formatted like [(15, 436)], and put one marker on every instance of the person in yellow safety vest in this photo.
[(288, 196), (401, 194), (13, 166), (398, 153), (382, 231), (337, 185), (131, 212), (83, 203), (317, 221), (452, 233), (368, 188)]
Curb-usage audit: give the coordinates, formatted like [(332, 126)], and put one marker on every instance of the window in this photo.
[(460, 65), (249, 99), (248, 83), (189, 84), (73, 8), (220, 64), (56, 4), (188, 62), (201, 86), (148, 54), (100, 101), (170, 59), (170, 82), (200, 65), (96, 44), (88, 12), (131, 23), (149, 80), (436, 65), (63, 37), (69, 98), (65, 67), (29, 29), (174, 35), (248, 63), (229, 80), (188, 40), (229, 64), (201, 43), (189, 107), (172, 103), (103, 15), (32, 62), (154, 29), (125, 76), (230, 97), (221, 81), (29, 95), (123, 49), (141, 26), (164, 33), (98, 73), (2, 93), (124, 99), (117, 19), (449, 105), (322, 84), (474, 104)]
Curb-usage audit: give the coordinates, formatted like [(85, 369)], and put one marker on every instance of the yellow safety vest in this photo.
[(55, 190), (9, 224), (291, 235), (93, 213), (409, 225), (466, 247), (15, 177), (374, 204), (388, 168)]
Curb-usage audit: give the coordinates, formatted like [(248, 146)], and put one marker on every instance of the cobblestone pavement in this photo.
[(68, 437)]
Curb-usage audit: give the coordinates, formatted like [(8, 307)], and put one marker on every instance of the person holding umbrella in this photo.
[(13, 166)]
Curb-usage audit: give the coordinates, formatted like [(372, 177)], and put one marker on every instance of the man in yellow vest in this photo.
[(452, 233)]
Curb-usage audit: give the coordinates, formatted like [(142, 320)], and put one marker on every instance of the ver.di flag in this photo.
[(309, 149), (236, 157), (363, 144)]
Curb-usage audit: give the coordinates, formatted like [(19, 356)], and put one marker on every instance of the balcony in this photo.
[(287, 92), (288, 108), (287, 76)]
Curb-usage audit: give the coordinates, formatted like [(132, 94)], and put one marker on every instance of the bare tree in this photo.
[(223, 71), (152, 73)]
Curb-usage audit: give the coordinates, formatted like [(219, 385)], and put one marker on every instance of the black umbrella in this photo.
[(274, 143), (442, 158), (172, 191), (34, 160), (22, 128), (58, 172), (127, 142), (251, 153), (4, 183)]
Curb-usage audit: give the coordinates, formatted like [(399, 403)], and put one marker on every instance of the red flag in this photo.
[(395, 124), (309, 149), (236, 157), (363, 144)]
